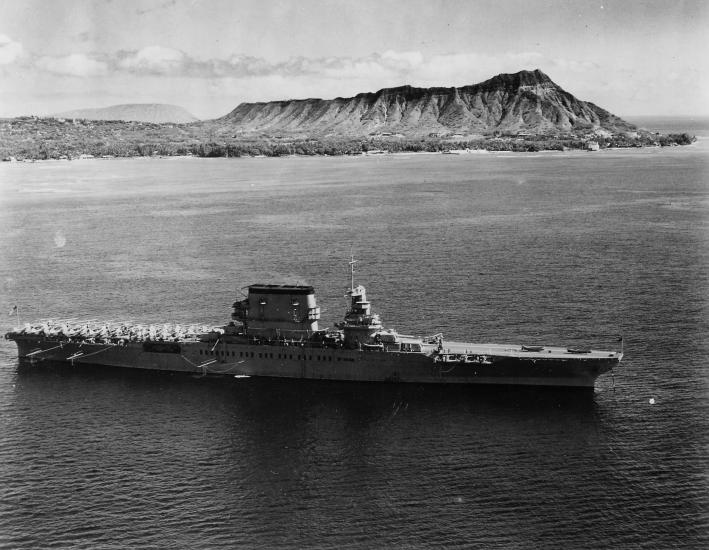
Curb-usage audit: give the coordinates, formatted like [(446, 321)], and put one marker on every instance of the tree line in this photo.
[(34, 138)]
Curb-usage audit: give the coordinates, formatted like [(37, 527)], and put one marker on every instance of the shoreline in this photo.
[(54, 139), (452, 153)]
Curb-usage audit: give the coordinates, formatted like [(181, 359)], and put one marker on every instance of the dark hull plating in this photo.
[(244, 359)]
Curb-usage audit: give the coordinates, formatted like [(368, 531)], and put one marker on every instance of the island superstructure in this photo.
[(274, 332)]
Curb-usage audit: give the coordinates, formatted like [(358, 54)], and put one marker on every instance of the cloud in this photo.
[(77, 64), (154, 60), (401, 67), (10, 51), (402, 60), (371, 72), (158, 60)]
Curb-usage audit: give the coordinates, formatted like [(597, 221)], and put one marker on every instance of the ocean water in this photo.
[(693, 125), (556, 248)]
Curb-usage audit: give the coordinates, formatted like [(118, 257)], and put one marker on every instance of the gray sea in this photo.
[(568, 248)]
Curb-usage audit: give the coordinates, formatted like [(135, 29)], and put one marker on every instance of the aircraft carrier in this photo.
[(274, 332)]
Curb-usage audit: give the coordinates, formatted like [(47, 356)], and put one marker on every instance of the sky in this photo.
[(631, 57)]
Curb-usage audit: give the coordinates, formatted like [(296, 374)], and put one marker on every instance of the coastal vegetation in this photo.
[(34, 138)]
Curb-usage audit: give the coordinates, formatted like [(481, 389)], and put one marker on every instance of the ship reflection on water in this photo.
[(293, 394), (278, 457), (282, 408)]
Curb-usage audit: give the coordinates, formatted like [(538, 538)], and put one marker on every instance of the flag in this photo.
[(13, 310), (620, 339)]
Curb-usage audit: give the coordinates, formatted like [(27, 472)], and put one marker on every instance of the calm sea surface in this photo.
[(567, 248)]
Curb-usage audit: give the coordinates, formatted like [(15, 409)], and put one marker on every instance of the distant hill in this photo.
[(523, 102), (139, 112)]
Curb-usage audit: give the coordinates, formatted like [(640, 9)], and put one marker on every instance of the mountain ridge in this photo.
[(526, 101), (518, 112)]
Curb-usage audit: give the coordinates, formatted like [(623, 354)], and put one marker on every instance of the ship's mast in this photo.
[(352, 262)]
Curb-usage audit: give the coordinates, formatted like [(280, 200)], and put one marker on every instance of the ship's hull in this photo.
[(487, 365)]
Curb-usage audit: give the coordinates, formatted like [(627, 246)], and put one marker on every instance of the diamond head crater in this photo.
[(522, 112)]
